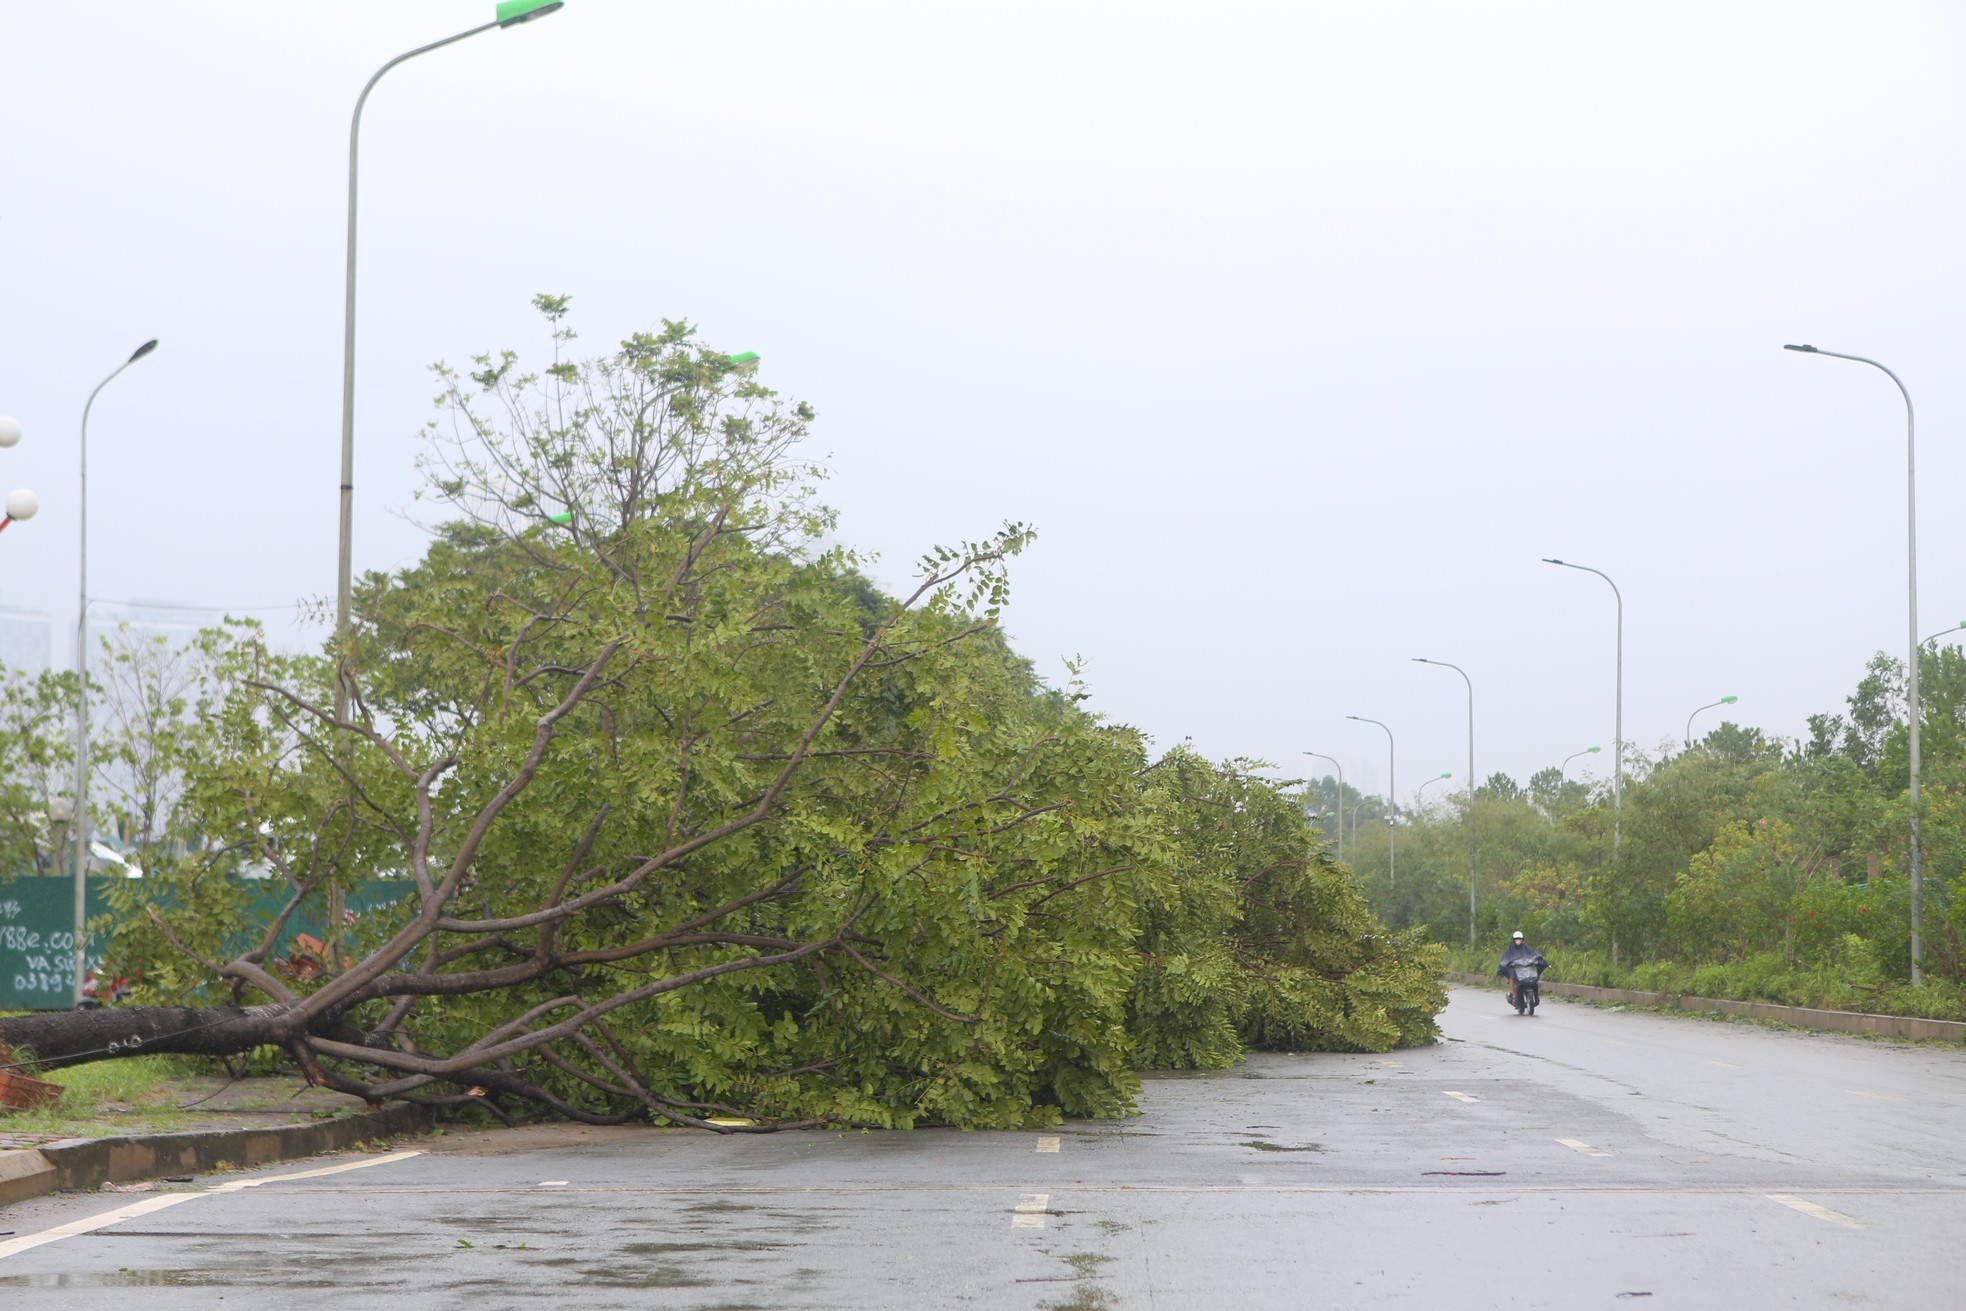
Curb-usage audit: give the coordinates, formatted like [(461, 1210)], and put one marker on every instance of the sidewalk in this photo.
[(188, 1125)]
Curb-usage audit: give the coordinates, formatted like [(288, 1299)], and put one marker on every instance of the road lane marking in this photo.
[(1724, 1065), (1583, 1147), (15, 1246), (1047, 1144), (1394, 1064), (1882, 1097), (1030, 1212), (1462, 1097), (1808, 1207), (552, 1183)]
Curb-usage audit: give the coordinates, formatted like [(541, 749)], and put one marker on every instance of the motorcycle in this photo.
[(1528, 989)]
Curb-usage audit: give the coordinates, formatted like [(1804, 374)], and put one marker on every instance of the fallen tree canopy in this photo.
[(695, 824)]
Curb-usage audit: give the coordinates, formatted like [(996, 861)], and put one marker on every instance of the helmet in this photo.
[(1518, 935)]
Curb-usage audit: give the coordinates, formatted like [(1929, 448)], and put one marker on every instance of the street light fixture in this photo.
[(1422, 790), (1422, 660), (1563, 774), (1954, 631), (82, 677), (1724, 701), (1392, 796), (1913, 710), (1341, 799), (509, 13)]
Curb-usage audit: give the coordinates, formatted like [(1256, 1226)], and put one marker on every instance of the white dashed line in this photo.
[(1724, 1065), (15, 1246), (1882, 1097), (552, 1183), (1462, 1097), (1576, 1146), (1030, 1211), (1047, 1144), (1808, 1207)]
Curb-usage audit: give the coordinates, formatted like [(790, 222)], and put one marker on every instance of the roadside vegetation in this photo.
[(691, 820), (1747, 867)]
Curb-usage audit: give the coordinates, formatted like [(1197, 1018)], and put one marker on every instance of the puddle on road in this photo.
[(665, 1276)]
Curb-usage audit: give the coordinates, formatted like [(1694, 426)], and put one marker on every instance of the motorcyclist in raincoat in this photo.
[(1519, 953)]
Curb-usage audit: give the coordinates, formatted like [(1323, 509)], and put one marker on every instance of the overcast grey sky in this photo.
[(1300, 331)]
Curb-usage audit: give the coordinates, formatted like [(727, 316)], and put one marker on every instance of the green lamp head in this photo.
[(513, 12), (1728, 700), (741, 358), (563, 518), (1592, 750)]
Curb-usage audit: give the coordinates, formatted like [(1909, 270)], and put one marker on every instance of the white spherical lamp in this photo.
[(9, 432), (22, 504)]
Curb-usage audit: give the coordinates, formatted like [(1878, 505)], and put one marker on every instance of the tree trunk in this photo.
[(58, 1038)]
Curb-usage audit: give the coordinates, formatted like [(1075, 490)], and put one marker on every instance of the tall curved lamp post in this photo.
[(82, 682), (1341, 799), (510, 13), (1957, 630), (1912, 709), (1724, 701), (1617, 740), (21, 504), (1421, 791), (1392, 794), (1442, 664)]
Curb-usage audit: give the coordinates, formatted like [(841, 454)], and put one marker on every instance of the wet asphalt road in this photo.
[(1581, 1158)]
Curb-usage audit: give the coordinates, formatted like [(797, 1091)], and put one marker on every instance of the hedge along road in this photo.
[(1570, 1159)]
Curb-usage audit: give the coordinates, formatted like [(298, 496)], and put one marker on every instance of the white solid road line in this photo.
[(1462, 1097), (1808, 1207), (1030, 1211), (1047, 1144), (552, 1183), (15, 1246), (1576, 1146)]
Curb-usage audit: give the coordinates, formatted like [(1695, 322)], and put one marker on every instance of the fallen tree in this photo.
[(694, 824)]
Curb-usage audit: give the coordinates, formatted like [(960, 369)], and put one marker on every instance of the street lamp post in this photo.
[(1724, 701), (82, 680), (508, 14), (1617, 741), (1422, 790), (1341, 799), (1913, 710), (1956, 630), (1422, 660), (1392, 794)]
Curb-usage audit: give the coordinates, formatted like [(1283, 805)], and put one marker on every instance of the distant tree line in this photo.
[(1746, 865)]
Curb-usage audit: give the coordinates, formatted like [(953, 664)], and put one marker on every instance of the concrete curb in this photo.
[(78, 1163), (1889, 1026)]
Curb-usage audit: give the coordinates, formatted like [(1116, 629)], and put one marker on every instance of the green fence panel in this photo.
[(37, 938)]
